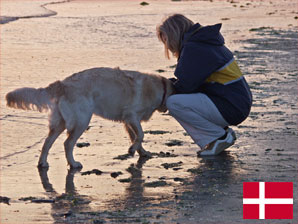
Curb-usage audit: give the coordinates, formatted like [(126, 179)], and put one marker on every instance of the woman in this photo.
[(212, 93)]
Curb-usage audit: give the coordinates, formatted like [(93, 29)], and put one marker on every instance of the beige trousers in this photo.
[(199, 116)]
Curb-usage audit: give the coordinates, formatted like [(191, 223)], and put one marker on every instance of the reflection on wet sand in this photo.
[(207, 183), (68, 203), (135, 190), (214, 180), (71, 204), (213, 174), (193, 196)]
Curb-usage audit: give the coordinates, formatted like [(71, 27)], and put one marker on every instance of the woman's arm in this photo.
[(196, 63)]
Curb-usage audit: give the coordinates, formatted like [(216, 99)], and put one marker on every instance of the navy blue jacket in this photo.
[(205, 65)]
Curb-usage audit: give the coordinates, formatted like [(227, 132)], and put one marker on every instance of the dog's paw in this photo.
[(43, 165), (76, 165), (145, 154)]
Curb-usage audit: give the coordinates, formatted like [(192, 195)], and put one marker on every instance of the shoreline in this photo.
[(7, 19)]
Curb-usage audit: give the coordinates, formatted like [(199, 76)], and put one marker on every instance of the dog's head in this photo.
[(168, 90)]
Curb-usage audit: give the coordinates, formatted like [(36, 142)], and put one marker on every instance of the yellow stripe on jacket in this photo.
[(228, 73)]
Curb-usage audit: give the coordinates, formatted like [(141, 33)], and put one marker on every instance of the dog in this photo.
[(119, 95)]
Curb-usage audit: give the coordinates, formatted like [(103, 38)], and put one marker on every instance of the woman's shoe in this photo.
[(220, 145), (232, 133)]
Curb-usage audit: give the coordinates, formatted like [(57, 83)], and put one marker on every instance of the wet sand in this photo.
[(42, 42)]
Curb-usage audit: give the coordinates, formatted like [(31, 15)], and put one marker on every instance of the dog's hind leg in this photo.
[(77, 116), (73, 135), (57, 126), (137, 145), (69, 144)]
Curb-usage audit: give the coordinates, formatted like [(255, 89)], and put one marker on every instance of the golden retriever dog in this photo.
[(119, 95)]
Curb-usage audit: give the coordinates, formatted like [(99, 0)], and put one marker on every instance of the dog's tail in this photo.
[(41, 99)]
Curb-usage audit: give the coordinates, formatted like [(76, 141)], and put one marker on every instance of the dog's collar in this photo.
[(164, 91)]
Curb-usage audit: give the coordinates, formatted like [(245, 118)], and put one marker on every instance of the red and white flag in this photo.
[(267, 200)]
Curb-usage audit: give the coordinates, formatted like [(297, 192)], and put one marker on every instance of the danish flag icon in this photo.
[(267, 200)]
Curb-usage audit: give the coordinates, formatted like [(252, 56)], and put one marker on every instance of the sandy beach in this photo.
[(47, 40)]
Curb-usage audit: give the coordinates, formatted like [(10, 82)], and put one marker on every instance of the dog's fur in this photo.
[(126, 96)]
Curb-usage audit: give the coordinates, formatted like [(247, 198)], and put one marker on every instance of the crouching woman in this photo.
[(212, 93)]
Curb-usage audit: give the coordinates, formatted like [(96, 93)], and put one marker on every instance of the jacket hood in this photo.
[(204, 34)]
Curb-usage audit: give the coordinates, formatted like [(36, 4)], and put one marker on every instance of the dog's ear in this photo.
[(170, 88), (163, 108)]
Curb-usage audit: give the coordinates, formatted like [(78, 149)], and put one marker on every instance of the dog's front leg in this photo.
[(137, 145), (130, 132), (132, 136)]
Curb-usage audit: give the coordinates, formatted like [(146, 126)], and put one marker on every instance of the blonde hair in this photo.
[(171, 32)]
